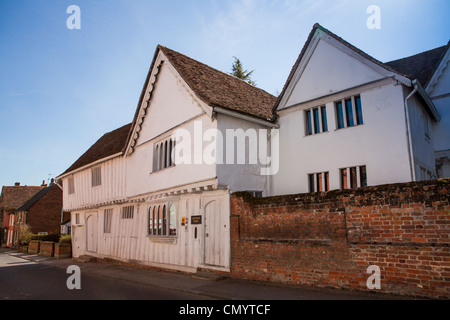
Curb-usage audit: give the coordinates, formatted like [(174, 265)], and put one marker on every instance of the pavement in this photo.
[(221, 288)]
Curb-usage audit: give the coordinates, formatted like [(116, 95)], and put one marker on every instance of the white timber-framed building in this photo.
[(131, 201), (343, 120)]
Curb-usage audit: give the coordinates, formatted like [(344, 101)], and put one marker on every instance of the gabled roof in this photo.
[(409, 71), (214, 87), (14, 196), (420, 66), (217, 88), (38, 196), (109, 144), (317, 27)]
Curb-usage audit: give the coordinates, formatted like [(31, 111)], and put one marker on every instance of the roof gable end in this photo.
[(323, 42), (212, 87)]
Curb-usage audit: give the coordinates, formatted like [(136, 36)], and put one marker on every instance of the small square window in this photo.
[(353, 177), (319, 182)]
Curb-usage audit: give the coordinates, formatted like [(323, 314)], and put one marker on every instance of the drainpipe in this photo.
[(408, 133)]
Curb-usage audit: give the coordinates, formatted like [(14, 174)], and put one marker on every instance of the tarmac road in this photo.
[(173, 294), (32, 277), (24, 279)]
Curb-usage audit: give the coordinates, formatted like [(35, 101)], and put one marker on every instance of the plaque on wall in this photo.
[(196, 220)]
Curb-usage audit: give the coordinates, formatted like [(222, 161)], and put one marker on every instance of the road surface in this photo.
[(23, 279)]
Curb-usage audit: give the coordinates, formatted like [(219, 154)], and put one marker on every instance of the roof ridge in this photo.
[(216, 87), (417, 54)]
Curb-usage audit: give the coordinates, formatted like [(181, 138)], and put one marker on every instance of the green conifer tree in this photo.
[(238, 71)]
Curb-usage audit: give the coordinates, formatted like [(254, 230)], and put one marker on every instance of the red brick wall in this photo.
[(330, 239), (45, 215)]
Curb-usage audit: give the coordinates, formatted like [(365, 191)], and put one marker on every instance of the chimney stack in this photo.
[(43, 183), (17, 184)]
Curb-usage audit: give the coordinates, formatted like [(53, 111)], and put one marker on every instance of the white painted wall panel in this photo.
[(129, 240), (112, 187), (241, 177), (380, 144), (330, 70)]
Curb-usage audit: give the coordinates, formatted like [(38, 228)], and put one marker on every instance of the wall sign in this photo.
[(196, 220)]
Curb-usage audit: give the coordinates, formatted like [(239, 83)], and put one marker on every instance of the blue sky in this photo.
[(62, 89)]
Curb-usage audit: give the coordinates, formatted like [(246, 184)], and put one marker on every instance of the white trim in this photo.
[(300, 69), (194, 187), (244, 117), (445, 62), (338, 95), (429, 103), (374, 66)]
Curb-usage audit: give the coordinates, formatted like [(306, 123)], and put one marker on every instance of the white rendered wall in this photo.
[(247, 176), (380, 144), (329, 70), (112, 185)]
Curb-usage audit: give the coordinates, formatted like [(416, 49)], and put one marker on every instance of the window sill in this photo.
[(315, 134), (163, 239), (355, 126), (162, 170)]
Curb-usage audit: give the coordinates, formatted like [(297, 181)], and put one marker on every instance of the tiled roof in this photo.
[(213, 87), (109, 144), (38, 196), (420, 66), (217, 88), (14, 197)]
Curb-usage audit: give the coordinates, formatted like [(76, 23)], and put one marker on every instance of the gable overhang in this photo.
[(318, 34), (142, 106), (145, 98)]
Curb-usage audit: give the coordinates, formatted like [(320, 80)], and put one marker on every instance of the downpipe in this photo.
[(408, 133)]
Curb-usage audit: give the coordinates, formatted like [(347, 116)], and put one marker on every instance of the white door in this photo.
[(215, 235), (91, 233)]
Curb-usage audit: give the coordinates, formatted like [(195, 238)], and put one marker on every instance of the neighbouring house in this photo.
[(348, 120), (157, 191), (12, 197), (432, 70), (42, 213)]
